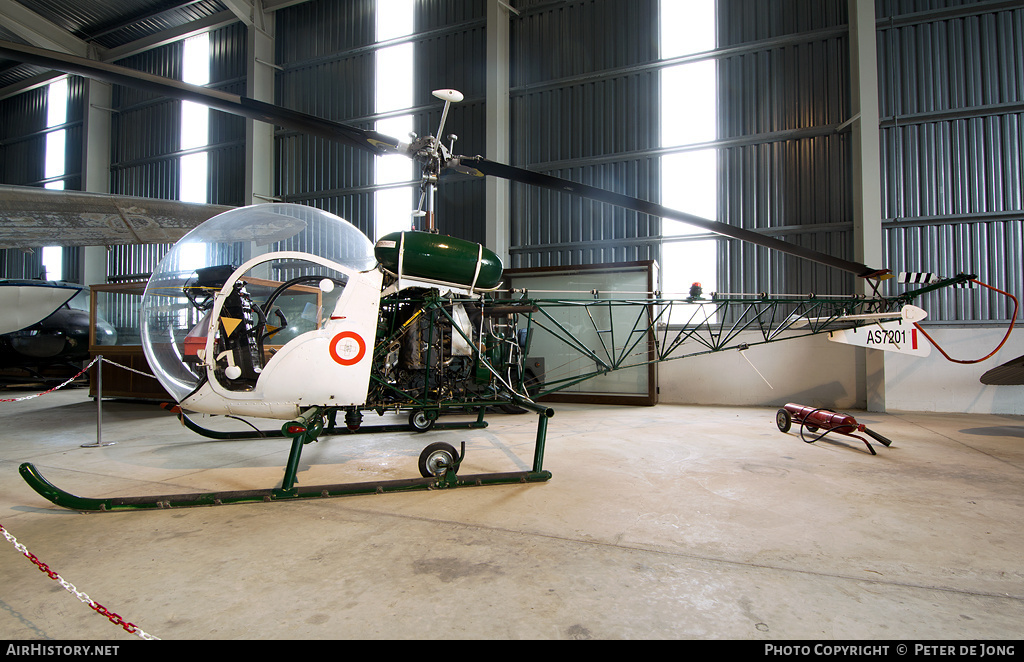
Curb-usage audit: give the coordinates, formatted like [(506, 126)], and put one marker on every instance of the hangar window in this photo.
[(195, 122), (689, 168), (56, 115), (53, 262), (53, 166), (393, 199)]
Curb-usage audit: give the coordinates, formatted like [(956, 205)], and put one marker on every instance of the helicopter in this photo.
[(29, 302), (61, 338), (239, 320), (46, 326)]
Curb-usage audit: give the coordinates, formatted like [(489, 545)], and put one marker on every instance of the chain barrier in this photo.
[(124, 367), (59, 386), (116, 619), (80, 373)]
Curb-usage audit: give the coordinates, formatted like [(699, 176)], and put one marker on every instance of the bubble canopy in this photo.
[(178, 294)]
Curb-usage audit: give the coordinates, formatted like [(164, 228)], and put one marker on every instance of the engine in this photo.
[(431, 352)]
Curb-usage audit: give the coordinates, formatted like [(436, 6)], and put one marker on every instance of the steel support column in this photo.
[(867, 187), (497, 190)]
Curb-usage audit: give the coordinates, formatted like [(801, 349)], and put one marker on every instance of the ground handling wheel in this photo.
[(419, 421), (437, 458), (783, 420)]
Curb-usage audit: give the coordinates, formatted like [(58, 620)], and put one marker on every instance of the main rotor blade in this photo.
[(482, 166), (380, 144), (371, 141)]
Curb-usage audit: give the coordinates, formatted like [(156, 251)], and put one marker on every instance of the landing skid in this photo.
[(447, 478), (67, 500)]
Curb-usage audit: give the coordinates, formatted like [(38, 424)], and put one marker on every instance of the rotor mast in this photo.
[(434, 156)]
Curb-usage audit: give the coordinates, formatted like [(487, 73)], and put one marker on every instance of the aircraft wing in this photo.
[(26, 302), (32, 217)]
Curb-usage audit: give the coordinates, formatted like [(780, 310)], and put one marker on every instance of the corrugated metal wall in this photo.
[(146, 137), (451, 52), (145, 130), (584, 107), (23, 138), (74, 148), (228, 62), (22, 152), (15, 263), (783, 80), (22, 162), (951, 82), (327, 51), (328, 71)]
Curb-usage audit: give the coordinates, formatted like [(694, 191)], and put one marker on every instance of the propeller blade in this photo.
[(371, 141), (480, 166)]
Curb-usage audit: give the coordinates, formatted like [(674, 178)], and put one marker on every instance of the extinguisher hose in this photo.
[(877, 437), (1013, 320), (804, 425)]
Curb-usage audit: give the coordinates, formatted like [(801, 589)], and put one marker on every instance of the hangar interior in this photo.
[(885, 131)]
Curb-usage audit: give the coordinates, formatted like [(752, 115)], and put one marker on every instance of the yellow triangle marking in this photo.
[(230, 324)]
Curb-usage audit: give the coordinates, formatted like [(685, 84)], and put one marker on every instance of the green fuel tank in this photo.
[(416, 254)]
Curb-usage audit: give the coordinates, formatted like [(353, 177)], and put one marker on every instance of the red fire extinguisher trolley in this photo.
[(827, 421)]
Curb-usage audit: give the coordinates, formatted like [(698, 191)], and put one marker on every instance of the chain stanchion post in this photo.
[(99, 407)]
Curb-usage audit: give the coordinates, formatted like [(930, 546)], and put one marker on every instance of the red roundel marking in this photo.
[(347, 348)]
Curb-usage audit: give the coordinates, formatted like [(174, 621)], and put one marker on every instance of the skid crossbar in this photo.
[(330, 431)]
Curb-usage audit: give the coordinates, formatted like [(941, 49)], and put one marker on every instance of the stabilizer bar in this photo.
[(329, 430)]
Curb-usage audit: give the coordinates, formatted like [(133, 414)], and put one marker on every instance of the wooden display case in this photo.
[(118, 305), (626, 280)]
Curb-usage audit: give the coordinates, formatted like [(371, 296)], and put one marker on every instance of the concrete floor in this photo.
[(664, 522)]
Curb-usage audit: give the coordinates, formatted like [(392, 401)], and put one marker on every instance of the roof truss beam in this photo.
[(38, 31)]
